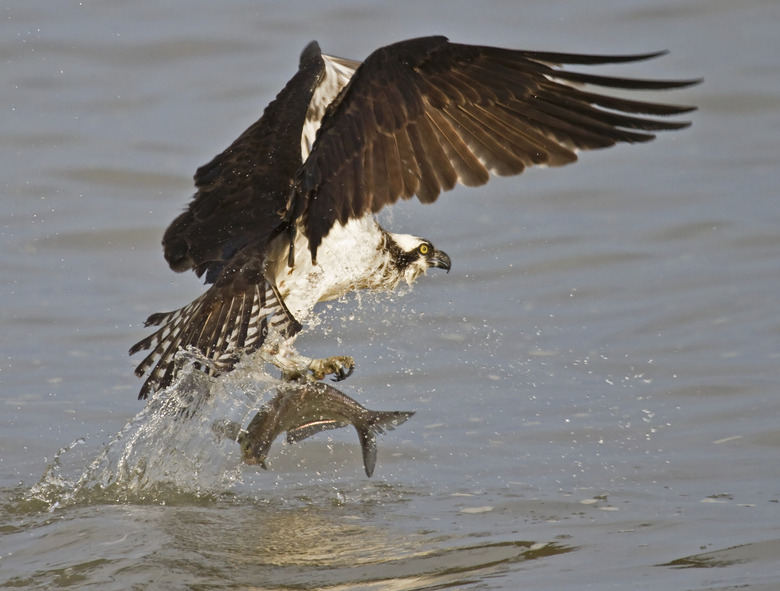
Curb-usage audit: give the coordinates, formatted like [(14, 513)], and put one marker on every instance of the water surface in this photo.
[(595, 381)]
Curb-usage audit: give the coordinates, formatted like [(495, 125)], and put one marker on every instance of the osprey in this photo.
[(284, 218)]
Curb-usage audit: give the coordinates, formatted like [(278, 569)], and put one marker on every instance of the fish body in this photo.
[(304, 409)]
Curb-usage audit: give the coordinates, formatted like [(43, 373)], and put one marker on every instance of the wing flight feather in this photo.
[(422, 115)]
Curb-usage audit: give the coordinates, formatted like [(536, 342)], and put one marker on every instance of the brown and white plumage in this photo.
[(283, 218)]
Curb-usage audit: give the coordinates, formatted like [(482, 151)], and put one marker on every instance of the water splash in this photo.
[(176, 449), (172, 450)]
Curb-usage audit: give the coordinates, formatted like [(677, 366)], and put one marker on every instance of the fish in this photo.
[(303, 409)]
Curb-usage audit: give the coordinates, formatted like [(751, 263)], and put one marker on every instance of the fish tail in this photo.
[(377, 422), (368, 445)]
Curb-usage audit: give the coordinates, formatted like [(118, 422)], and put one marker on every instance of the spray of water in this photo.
[(175, 448), (181, 445)]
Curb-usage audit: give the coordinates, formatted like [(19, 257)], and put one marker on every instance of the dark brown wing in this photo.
[(422, 115), (243, 189), (233, 317), (225, 232)]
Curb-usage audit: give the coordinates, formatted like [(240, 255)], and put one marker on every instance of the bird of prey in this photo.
[(284, 218)]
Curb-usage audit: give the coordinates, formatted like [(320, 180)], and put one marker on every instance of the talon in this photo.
[(343, 373), (340, 367)]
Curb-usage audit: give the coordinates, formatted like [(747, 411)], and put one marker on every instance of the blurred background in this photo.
[(595, 381)]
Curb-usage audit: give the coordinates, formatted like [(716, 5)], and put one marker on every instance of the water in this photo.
[(595, 382)]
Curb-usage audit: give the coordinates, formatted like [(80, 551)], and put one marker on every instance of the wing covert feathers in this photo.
[(420, 116), (243, 189)]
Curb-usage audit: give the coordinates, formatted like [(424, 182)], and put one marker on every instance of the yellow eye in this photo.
[(423, 249)]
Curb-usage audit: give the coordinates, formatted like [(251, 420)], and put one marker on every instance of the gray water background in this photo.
[(595, 381)]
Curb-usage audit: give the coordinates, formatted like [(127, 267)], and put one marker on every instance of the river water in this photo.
[(595, 382)]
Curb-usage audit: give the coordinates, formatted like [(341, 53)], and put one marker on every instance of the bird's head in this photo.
[(413, 256)]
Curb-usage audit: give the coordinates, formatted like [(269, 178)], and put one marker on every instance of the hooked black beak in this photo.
[(440, 260)]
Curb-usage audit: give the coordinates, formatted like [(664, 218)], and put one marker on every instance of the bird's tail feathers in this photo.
[(219, 326)]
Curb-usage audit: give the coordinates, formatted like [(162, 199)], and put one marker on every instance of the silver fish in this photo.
[(304, 409)]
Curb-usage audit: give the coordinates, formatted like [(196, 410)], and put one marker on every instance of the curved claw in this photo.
[(343, 373), (340, 367)]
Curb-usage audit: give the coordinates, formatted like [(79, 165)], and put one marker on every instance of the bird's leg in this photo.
[(297, 367), (304, 368)]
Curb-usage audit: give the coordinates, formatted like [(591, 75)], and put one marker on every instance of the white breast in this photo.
[(351, 257)]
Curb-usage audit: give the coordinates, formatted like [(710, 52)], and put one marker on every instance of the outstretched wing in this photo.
[(233, 317), (242, 190), (422, 115), (225, 232)]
